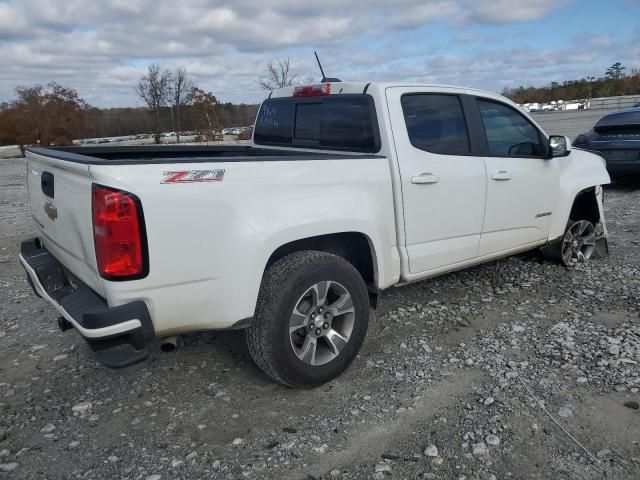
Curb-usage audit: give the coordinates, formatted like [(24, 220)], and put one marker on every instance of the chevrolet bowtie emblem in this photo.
[(51, 210)]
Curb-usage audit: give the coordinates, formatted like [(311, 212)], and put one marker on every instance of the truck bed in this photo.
[(206, 241), (151, 154)]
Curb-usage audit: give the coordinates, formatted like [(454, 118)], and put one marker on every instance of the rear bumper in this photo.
[(118, 335)]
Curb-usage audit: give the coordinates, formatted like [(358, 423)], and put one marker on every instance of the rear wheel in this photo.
[(311, 319)]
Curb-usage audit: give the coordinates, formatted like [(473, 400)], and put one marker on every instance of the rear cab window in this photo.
[(436, 123), (333, 122)]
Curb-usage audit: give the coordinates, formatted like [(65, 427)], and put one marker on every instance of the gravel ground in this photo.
[(449, 384)]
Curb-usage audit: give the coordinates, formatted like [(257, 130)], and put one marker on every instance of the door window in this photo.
[(435, 123), (509, 134)]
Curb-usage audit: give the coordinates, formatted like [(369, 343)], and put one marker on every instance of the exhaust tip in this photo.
[(169, 344)]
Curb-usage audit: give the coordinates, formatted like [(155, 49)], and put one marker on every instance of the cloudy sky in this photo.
[(102, 48)]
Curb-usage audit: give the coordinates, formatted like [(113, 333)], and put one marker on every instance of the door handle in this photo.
[(425, 178), (501, 175)]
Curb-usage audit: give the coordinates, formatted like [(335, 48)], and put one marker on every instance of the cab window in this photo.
[(509, 133)]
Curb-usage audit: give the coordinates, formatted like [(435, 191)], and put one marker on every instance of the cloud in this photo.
[(415, 14), (505, 11), (12, 25), (102, 48)]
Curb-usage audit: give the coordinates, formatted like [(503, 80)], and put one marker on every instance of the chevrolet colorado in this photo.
[(346, 190)]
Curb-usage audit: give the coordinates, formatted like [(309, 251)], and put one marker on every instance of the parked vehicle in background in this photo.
[(574, 105), (616, 137), (347, 190)]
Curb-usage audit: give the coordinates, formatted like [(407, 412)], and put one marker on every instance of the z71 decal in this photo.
[(193, 176)]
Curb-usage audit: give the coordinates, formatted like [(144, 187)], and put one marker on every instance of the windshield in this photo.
[(334, 122)]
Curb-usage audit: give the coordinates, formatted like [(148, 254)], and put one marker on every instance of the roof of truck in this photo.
[(363, 87)]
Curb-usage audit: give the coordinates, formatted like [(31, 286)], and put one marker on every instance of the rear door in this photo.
[(443, 184), (60, 197), (521, 180)]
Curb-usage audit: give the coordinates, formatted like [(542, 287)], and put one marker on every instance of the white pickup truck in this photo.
[(347, 189)]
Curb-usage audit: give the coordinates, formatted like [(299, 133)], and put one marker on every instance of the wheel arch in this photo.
[(585, 206), (355, 247), (582, 204)]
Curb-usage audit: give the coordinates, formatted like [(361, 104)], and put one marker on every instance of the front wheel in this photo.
[(577, 244), (311, 318)]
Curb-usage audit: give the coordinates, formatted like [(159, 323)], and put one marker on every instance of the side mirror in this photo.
[(559, 146)]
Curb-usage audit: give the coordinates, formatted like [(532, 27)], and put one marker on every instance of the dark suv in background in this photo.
[(616, 137)]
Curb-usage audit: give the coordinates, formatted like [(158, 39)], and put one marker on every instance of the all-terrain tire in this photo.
[(284, 282)]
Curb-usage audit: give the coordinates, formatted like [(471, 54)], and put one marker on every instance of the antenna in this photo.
[(319, 65), (324, 79)]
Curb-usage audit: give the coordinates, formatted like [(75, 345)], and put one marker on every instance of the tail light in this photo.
[(118, 233), (320, 90)]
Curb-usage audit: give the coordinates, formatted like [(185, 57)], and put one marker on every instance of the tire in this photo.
[(581, 235), (291, 284)]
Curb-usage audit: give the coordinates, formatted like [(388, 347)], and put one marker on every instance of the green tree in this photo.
[(615, 71)]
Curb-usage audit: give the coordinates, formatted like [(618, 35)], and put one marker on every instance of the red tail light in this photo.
[(118, 233), (312, 90)]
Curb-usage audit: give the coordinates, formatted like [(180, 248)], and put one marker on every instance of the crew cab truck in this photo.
[(347, 189)]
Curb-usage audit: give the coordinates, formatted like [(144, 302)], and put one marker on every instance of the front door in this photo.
[(443, 185), (521, 179)]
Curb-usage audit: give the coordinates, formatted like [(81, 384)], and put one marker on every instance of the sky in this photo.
[(102, 48)]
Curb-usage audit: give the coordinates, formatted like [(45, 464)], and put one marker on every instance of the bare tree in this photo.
[(182, 86), (278, 75), (204, 109), (155, 89)]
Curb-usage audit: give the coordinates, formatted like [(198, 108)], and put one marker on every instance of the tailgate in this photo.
[(60, 197)]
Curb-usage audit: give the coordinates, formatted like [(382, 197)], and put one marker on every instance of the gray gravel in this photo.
[(449, 383)]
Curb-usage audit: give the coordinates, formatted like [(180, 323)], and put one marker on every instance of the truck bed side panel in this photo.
[(209, 242)]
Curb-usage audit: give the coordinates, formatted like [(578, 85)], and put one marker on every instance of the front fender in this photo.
[(579, 171)]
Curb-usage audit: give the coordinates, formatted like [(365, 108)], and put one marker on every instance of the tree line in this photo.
[(117, 122), (615, 82), (57, 115)]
